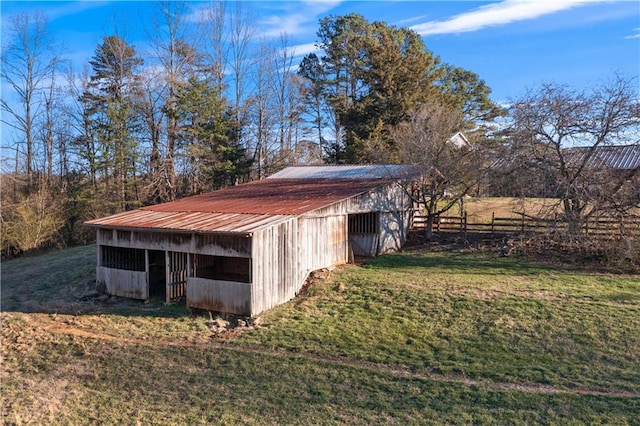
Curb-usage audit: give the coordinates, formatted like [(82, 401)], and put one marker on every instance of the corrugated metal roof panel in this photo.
[(618, 157), (621, 157), (386, 171), (273, 196), (243, 208), (189, 221)]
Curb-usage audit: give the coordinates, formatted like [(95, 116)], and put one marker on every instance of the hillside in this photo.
[(415, 337)]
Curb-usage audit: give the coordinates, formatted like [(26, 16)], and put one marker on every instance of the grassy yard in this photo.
[(409, 338)]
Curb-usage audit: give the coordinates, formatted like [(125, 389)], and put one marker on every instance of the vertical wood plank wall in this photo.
[(219, 295), (275, 276), (323, 243)]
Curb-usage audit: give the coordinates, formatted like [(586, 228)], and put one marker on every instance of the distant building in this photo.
[(459, 140), (612, 157), (597, 164), (248, 248)]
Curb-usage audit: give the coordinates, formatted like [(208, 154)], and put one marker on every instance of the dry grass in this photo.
[(482, 209)]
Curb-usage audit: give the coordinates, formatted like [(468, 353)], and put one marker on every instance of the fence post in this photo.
[(464, 218), (493, 221), (522, 222), (586, 226)]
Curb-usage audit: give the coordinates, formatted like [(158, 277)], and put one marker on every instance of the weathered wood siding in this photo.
[(394, 206), (220, 296), (389, 198), (119, 282), (364, 244), (177, 246), (210, 244), (394, 227), (323, 243), (275, 274)]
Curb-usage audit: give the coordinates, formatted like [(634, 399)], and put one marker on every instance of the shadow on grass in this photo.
[(63, 282), (470, 263), (112, 306), (60, 281)]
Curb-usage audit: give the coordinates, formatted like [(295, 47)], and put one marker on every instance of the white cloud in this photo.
[(291, 24), (73, 8), (297, 19), (636, 35), (304, 49), (405, 22), (501, 13), (323, 4), (276, 19)]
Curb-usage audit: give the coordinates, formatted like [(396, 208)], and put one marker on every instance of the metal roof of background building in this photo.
[(623, 157), (617, 157), (382, 171)]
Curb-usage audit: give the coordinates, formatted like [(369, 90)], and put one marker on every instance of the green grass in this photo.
[(410, 338), (36, 283), (480, 317)]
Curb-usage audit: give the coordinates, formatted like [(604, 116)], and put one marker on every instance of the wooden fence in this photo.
[(501, 226)]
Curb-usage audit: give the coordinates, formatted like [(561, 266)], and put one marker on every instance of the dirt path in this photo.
[(53, 326)]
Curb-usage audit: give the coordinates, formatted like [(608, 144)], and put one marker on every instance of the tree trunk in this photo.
[(428, 230)]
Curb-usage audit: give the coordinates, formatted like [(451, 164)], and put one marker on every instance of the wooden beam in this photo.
[(167, 267)]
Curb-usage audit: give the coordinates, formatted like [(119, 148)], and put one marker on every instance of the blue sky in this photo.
[(512, 45)]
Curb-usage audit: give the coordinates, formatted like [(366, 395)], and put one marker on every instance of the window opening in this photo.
[(363, 223), (128, 259), (222, 268)]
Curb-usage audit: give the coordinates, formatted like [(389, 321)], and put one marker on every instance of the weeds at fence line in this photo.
[(611, 242)]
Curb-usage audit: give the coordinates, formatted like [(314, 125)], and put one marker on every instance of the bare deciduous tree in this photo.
[(214, 25), (241, 32), (179, 59), (261, 109), (27, 64), (449, 168), (561, 134)]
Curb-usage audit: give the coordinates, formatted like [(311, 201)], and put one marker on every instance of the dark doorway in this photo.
[(157, 274)]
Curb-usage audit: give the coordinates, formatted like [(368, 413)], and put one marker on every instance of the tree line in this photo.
[(212, 105)]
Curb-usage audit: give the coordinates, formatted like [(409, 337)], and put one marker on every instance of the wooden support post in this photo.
[(147, 274), (167, 259)]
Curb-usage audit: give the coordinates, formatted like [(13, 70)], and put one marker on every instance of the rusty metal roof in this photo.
[(273, 196), (243, 208), (380, 171), (189, 221)]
